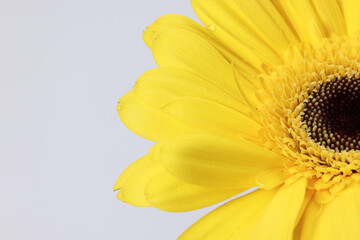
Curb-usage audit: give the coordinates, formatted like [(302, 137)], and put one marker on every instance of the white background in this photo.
[(63, 66)]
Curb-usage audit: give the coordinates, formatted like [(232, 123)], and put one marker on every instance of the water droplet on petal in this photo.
[(211, 28)]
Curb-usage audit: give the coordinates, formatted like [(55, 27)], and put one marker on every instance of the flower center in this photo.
[(332, 114), (311, 114)]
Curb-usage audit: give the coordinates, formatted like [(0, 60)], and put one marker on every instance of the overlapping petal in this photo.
[(168, 193), (186, 50), (168, 101), (253, 29), (224, 222), (338, 219), (160, 86), (134, 179), (214, 117), (178, 22), (263, 214), (308, 222), (283, 213), (315, 19), (214, 160), (146, 183), (305, 20), (148, 121), (331, 16)]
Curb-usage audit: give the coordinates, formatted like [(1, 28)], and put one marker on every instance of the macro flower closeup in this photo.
[(266, 95)]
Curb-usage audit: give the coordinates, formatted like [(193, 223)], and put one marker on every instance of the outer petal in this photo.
[(133, 181), (178, 22), (351, 9), (147, 121), (160, 86), (331, 16), (339, 219), (254, 29), (186, 50), (214, 160), (308, 222), (223, 222), (213, 117), (146, 183), (259, 215), (168, 102), (282, 214), (305, 19), (171, 194)]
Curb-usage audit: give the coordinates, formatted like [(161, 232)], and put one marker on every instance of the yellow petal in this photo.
[(305, 20), (146, 183), (146, 120), (331, 16), (340, 218), (323, 196), (271, 178), (133, 181), (214, 160), (178, 22), (168, 193), (248, 92), (308, 222), (351, 9), (186, 50), (282, 214), (160, 86), (253, 29), (264, 19), (224, 221), (213, 117)]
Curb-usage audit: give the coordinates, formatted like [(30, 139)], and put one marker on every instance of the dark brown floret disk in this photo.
[(332, 114)]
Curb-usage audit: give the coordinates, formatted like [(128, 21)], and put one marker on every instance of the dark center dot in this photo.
[(332, 114)]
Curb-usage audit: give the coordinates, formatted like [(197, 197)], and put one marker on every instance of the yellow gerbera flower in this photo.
[(267, 95)]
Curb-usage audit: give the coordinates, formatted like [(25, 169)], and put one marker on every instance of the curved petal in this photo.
[(282, 214), (168, 114), (254, 29), (133, 181), (168, 193), (160, 86), (186, 50), (174, 21), (214, 160), (147, 121), (223, 222), (262, 214), (340, 218), (146, 183), (213, 117)]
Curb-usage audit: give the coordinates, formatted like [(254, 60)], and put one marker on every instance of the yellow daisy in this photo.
[(266, 95)]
